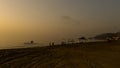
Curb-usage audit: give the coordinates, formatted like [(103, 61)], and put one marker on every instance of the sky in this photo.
[(54, 20)]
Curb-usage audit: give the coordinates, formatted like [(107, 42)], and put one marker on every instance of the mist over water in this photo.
[(18, 44), (16, 35)]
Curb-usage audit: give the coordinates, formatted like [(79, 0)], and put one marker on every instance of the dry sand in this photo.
[(86, 55)]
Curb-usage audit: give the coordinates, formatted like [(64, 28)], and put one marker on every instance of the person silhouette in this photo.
[(31, 42), (53, 43)]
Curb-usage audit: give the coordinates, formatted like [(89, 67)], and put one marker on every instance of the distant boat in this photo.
[(30, 43)]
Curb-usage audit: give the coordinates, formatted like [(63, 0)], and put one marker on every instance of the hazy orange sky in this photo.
[(54, 20)]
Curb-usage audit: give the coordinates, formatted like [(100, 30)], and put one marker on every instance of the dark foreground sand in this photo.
[(87, 55)]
